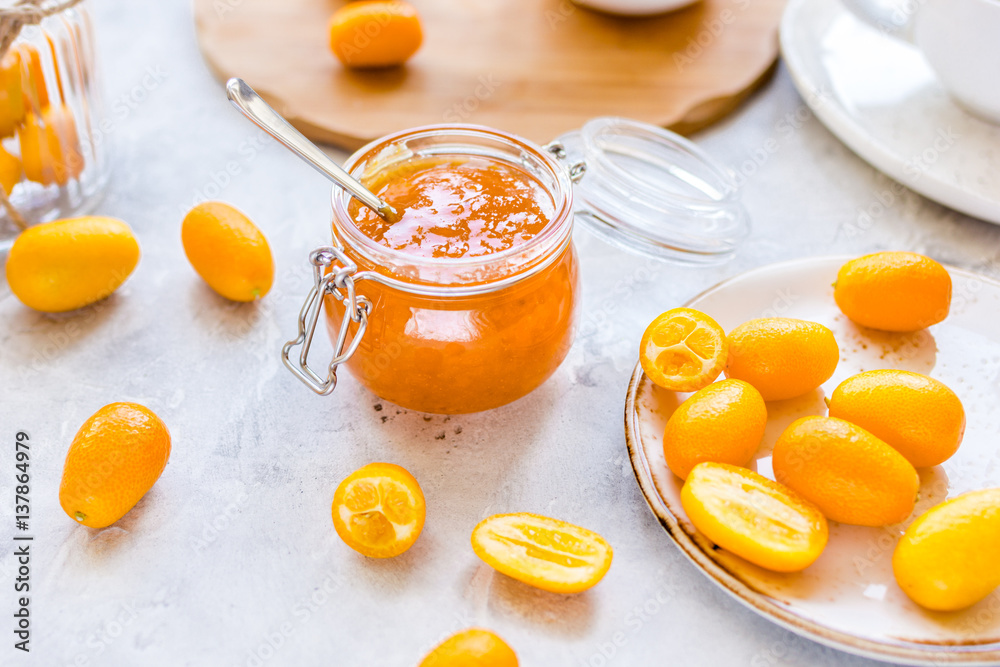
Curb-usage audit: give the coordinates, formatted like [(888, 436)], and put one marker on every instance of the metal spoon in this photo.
[(260, 112)]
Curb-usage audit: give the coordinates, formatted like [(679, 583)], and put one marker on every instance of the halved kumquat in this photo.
[(542, 552), (759, 520), (683, 350), (379, 510)]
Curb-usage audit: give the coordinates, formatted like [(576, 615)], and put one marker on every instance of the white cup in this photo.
[(959, 38)]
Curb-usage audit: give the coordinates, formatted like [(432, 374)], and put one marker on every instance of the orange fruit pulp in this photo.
[(379, 510), (759, 520), (683, 350), (546, 553), (455, 207)]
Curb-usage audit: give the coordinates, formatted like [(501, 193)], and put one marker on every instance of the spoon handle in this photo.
[(260, 112)]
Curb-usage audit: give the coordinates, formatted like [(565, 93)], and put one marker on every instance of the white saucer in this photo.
[(879, 96)]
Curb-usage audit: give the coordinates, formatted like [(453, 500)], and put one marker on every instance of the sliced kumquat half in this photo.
[(379, 510), (762, 521), (542, 552), (683, 350)]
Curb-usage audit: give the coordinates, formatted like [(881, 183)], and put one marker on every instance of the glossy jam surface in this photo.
[(458, 354), (455, 207)]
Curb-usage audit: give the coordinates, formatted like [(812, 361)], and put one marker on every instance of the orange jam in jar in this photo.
[(456, 208), (472, 291)]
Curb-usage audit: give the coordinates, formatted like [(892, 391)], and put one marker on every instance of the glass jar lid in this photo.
[(653, 192)]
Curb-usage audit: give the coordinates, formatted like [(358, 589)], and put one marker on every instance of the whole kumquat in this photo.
[(228, 251), (67, 264), (115, 458), (50, 146), (916, 415), (722, 423), (10, 171), (782, 357), (11, 94), (947, 558), (852, 476), (474, 647), (375, 33), (893, 291)]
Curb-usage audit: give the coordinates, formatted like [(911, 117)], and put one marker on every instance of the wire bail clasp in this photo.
[(340, 283), (558, 150)]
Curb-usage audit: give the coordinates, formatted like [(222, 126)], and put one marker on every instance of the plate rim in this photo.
[(843, 125), (741, 592)]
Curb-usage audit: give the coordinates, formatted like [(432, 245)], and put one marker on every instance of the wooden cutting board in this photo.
[(537, 68)]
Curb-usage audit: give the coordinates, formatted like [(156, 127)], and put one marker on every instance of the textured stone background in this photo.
[(233, 552)]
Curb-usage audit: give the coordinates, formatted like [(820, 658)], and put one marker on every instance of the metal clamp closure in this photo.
[(340, 283), (577, 170)]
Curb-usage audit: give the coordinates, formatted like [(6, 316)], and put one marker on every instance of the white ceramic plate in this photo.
[(848, 598), (879, 96)]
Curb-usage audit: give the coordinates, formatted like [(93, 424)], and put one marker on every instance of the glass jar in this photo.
[(54, 160), (453, 335), (457, 335)]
